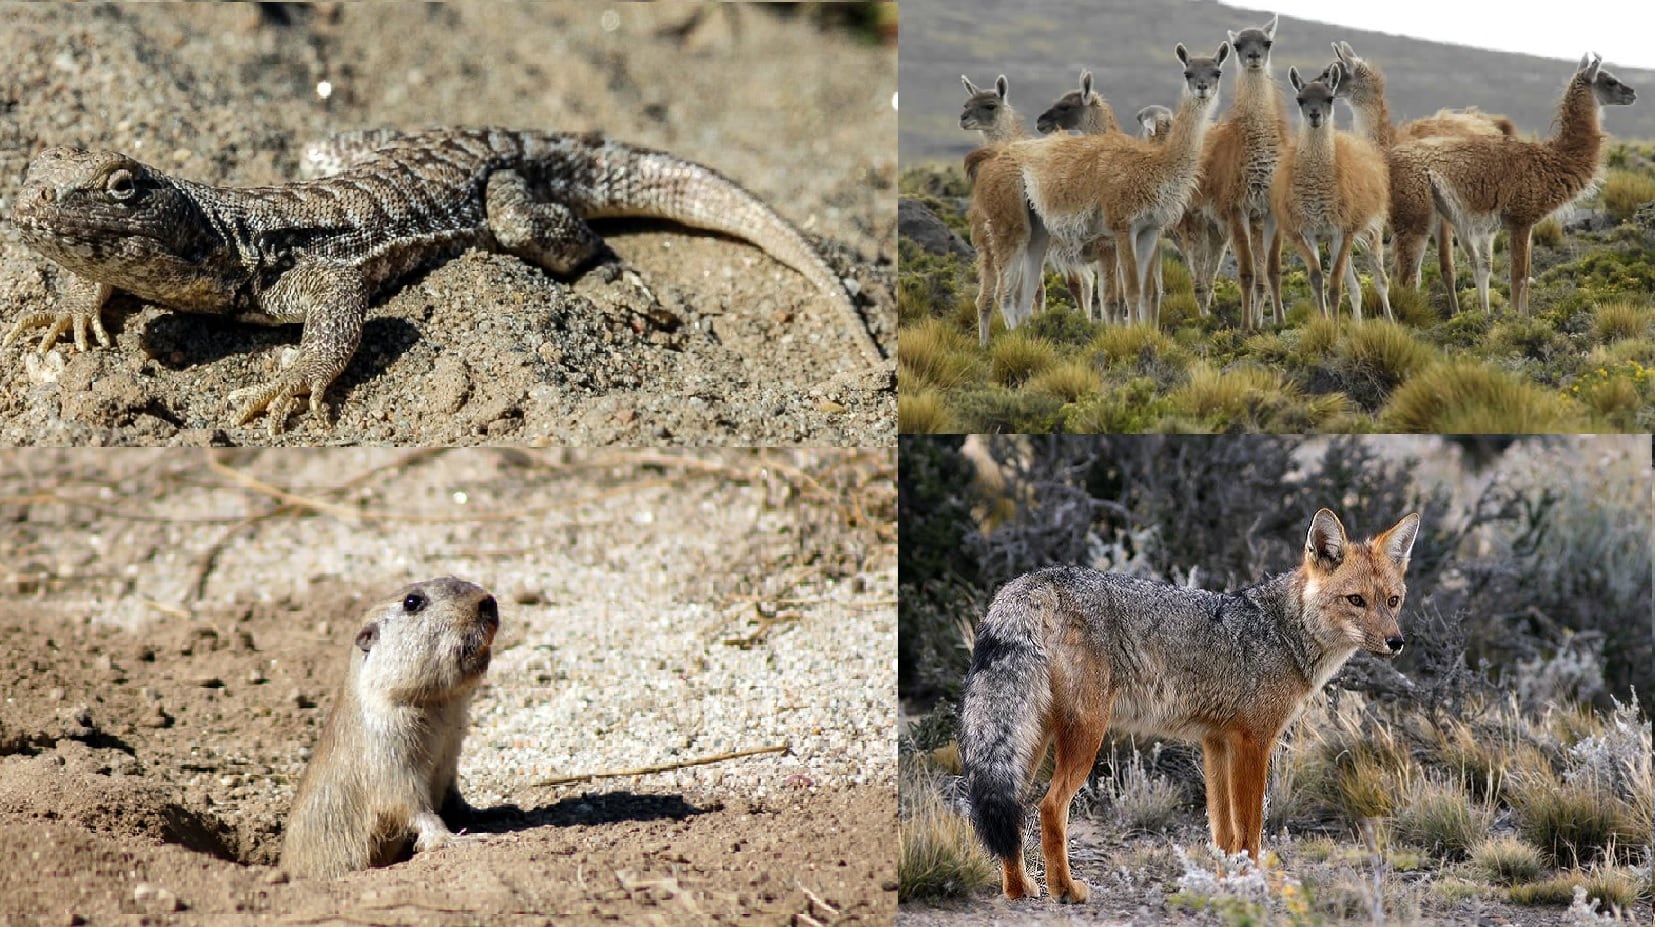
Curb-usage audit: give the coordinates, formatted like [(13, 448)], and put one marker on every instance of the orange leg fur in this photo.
[(1215, 762), (1078, 739), (1520, 245), (1445, 261), (1249, 770)]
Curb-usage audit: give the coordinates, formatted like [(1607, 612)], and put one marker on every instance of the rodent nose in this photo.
[(1395, 643), (489, 612)]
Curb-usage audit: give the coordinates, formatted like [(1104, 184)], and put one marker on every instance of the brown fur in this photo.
[(1082, 187), (386, 762), (1237, 166), (1084, 110), (1199, 236), (990, 112), (1482, 184), (1363, 89), (1332, 183)]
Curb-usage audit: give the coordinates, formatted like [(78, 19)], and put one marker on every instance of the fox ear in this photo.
[(1326, 542), (1398, 542)]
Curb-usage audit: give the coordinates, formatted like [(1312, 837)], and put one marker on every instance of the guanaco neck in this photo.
[(1189, 127), (1256, 106), (1578, 137), (1371, 114)]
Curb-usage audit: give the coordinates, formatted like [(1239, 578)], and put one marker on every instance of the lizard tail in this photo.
[(630, 181)]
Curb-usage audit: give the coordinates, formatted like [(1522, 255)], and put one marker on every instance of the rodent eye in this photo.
[(413, 603), (120, 184), (1356, 600), (1393, 600)]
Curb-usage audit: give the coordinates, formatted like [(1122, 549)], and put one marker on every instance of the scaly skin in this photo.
[(319, 251)]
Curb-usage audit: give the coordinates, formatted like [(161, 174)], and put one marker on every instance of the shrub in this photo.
[(1069, 380), (1129, 409), (922, 412), (1143, 800), (937, 853), (1465, 397), (1575, 824), (1548, 234), (1376, 357), (1506, 860), (1251, 398), (1018, 356), (1625, 191), (932, 354), (997, 410), (1061, 325)]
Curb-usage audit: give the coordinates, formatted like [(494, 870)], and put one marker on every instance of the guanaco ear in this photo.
[(969, 86), (1325, 544), (1000, 86), (1231, 34), (1183, 54), (1293, 78), (1085, 85), (1270, 30), (1398, 542), (1223, 51), (368, 637), (1335, 76), (1592, 69)]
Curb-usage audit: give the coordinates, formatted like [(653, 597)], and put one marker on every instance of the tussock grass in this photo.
[(1609, 885), (1575, 824), (1069, 380), (1018, 356), (923, 412), (1318, 337), (1118, 344), (1624, 191), (1620, 319), (1436, 815), (1250, 398), (1411, 307), (1478, 764), (1376, 357), (932, 354), (1507, 860), (938, 855), (1467, 397)]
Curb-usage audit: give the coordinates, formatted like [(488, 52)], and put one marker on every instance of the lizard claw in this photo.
[(277, 401), (56, 323)]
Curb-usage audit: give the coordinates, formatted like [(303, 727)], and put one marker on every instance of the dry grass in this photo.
[(1574, 824), (1069, 380), (1612, 885), (1467, 397), (923, 412), (938, 855), (1018, 356), (1621, 319), (1507, 860), (1625, 191), (1129, 344), (1435, 815), (932, 354)]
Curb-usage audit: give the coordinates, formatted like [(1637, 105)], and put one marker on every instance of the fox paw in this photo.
[(1075, 893)]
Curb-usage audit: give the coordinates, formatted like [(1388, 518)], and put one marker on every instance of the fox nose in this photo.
[(1395, 643)]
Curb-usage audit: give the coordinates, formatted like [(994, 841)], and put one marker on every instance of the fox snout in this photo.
[(1395, 643)]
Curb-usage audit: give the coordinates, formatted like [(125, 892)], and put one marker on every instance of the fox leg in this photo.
[(1078, 738), (1014, 878), (1215, 762), (1249, 769)]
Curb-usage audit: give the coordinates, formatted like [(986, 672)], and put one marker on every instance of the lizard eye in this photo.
[(120, 184), (1356, 600), (413, 603)]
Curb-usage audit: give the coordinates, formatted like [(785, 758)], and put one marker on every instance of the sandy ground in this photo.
[(691, 339), (173, 624)]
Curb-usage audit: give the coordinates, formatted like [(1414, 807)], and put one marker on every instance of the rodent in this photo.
[(386, 762)]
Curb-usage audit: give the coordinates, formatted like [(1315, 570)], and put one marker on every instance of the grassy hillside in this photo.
[(1042, 47), (1583, 360)]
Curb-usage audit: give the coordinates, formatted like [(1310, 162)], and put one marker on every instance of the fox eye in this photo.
[(413, 603), (1392, 601), (1356, 600), (120, 184)]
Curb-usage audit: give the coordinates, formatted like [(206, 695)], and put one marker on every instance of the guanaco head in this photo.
[(1315, 98), (1154, 122), (1201, 74), (1353, 590), (985, 109), (1070, 109), (1606, 87), (1252, 45), (1360, 82)]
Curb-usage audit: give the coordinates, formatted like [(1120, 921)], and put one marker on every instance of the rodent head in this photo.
[(429, 642)]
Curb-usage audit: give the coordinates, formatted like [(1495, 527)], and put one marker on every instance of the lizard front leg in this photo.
[(545, 233), (82, 305), (331, 300)]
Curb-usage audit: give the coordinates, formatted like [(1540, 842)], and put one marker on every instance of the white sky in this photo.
[(1622, 31)]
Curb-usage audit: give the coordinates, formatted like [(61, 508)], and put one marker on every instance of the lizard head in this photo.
[(97, 211)]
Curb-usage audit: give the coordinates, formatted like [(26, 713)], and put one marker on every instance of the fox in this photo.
[(1064, 652)]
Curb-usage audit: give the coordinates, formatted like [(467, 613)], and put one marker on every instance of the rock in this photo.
[(154, 898), (914, 221)]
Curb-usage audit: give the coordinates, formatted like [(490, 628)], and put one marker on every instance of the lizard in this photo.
[(318, 251)]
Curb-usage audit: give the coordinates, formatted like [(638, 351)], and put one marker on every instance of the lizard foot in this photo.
[(56, 323), (277, 400)]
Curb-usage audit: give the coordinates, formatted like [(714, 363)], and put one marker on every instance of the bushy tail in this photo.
[(1006, 693)]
